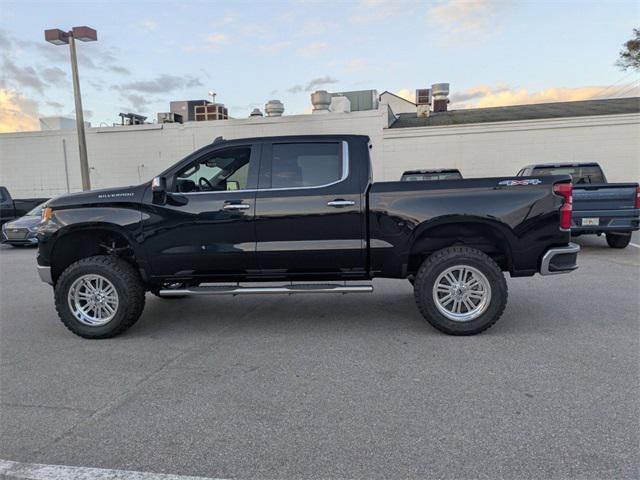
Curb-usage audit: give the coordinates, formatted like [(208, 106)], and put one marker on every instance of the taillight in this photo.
[(637, 197), (564, 190)]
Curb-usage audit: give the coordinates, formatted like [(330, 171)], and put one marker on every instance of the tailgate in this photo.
[(604, 197)]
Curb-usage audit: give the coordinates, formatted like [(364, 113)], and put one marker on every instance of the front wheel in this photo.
[(460, 291), (618, 240), (99, 297)]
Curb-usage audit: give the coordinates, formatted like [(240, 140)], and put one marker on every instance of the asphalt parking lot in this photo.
[(333, 387)]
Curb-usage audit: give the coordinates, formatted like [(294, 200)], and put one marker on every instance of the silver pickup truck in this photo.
[(598, 206)]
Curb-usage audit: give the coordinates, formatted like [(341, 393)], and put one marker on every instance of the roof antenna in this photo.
[(218, 139)]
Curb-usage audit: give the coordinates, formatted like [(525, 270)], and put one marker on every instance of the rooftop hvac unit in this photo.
[(423, 96), (169, 117)]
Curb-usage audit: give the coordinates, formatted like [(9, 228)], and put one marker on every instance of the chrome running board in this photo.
[(286, 290)]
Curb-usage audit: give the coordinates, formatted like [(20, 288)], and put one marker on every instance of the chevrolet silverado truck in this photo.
[(598, 206), (11, 208), (301, 210)]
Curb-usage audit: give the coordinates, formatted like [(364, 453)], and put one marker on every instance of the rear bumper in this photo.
[(560, 260), (608, 221)]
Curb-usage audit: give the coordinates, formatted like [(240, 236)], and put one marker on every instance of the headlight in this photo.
[(33, 229), (46, 213)]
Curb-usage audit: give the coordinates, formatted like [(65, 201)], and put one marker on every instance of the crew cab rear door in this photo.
[(309, 211)]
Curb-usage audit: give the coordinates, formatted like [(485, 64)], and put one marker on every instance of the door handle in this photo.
[(341, 203), (236, 206)]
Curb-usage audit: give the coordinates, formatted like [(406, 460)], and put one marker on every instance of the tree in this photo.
[(630, 54)]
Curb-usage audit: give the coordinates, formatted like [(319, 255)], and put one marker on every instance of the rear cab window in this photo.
[(579, 174)]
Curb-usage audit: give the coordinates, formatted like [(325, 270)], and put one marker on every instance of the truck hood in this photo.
[(23, 222), (107, 196)]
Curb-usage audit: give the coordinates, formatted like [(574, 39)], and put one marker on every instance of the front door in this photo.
[(206, 228), (309, 212)]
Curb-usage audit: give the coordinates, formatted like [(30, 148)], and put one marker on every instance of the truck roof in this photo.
[(290, 138), (431, 170), (563, 165)]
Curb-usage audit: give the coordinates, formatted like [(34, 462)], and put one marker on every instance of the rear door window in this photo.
[(299, 165)]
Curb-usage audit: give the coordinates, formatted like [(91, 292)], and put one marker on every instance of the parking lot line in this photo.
[(634, 245), (36, 471)]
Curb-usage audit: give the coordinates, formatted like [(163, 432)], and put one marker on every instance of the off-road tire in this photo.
[(443, 259), (127, 282), (618, 240)]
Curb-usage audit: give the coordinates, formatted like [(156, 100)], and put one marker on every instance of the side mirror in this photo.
[(159, 189)]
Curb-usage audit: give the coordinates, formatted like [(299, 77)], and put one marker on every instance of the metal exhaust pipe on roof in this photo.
[(440, 92)]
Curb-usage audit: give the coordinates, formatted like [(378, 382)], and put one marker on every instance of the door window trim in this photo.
[(345, 175)]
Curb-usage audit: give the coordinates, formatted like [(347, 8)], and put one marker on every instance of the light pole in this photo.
[(59, 37)]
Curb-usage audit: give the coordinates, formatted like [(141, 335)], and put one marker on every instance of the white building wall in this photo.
[(502, 148), (32, 163)]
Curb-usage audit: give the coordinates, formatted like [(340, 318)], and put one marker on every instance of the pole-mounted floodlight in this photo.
[(60, 37)]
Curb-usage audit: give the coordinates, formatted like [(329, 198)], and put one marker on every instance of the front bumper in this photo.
[(560, 260), (45, 274), (26, 238)]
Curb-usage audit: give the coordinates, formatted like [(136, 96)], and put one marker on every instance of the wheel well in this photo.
[(87, 243), (483, 237)]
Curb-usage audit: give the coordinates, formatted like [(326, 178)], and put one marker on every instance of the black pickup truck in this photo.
[(598, 206), (11, 208), (302, 210)]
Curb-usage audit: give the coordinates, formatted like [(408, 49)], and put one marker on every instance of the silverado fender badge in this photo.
[(529, 181), (116, 195)]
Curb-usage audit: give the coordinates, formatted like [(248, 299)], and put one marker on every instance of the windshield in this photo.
[(36, 212), (421, 177), (579, 175)]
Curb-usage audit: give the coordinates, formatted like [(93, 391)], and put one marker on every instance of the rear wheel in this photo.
[(460, 291), (99, 297), (618, 240)]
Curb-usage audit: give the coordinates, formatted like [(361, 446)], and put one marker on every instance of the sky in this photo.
[(148, 53)]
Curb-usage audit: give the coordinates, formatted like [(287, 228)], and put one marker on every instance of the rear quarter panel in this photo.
[(527, 216)]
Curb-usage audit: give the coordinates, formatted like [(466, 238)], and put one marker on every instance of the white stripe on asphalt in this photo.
[(634, 245), (35, 471)]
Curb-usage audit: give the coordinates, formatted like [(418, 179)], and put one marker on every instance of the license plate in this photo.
[(590, 222)]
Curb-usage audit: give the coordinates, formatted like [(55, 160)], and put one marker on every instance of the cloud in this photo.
[(356, 65), (138, 102), (162, 84), (120, 69), (379, 11), (54, 76), (216, 39), (276, 47), (148, 25), (22, 76), (17, 113), (312, 84), (460, 19), (484, 96), (55, 105), (313, 49), (407, 94)]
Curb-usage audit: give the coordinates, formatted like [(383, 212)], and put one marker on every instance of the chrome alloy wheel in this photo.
[(93, 300), (462, 293)]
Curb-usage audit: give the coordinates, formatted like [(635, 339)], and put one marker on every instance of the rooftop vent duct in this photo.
[(274, 108), (440, 92), (255, 113), (321, 100)]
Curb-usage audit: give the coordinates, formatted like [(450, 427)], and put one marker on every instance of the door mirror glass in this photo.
[(159, 189)]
